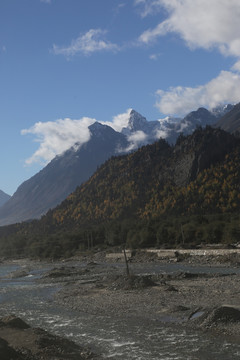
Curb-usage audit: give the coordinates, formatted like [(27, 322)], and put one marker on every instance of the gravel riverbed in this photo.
[(188, 295)]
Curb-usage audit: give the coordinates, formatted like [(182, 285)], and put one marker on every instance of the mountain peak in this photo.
[(201, 117), (98, 129), (136, 121), (96, 126), (221, 110), (231, 120)]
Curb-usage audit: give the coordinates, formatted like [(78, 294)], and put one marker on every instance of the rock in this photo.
[(18, 274), (18, 341), (59, 272), (62, 272), (7, 353), (92, 263), (171, 288), (14, 322), (224, 314), (132, 282)]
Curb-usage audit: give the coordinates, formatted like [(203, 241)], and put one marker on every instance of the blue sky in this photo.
[(65, 63)]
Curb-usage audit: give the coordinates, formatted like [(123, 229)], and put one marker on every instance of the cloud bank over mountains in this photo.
[(55, 137), (200, 24), (179, 100)]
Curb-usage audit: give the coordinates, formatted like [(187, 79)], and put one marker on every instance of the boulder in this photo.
[(7, 353), (14, 322), (222, 315)]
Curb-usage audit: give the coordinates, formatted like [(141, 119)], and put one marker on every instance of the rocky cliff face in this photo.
[(199, 151)]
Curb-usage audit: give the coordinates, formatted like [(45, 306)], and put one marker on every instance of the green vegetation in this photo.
[(158, 196)]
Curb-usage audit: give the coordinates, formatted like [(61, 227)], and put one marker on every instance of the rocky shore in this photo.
[(18, 341), (202, 299)]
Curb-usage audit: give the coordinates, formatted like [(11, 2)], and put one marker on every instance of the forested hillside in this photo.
[(159, 195)]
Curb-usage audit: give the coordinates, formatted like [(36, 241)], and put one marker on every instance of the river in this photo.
[(33, 302)]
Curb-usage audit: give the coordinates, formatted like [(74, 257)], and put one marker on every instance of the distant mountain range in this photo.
[(159, 195), (65, 172), (156, 180)]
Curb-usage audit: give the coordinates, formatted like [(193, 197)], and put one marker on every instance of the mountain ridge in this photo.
[(61, 176), (143, 198), (3, 197), (140, 177), (65, 172)]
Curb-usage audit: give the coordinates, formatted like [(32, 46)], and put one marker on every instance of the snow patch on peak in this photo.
[(136, 120), (169, 120), (119, 121), (221, 110)]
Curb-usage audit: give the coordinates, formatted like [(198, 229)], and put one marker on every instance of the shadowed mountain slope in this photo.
[(61, 176), (231, 121), (126, 186), (143, 199), (3, 197), (65, 172)]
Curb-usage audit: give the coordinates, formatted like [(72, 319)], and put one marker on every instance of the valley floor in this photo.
[(198, 291), (190, 292)]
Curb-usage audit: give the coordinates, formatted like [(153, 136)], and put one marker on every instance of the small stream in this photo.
[(110, 337)]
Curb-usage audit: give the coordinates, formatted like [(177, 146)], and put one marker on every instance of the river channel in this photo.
[(34, 303)]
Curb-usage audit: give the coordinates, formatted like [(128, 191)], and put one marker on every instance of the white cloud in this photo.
[(161, 134), (181, 100), (57, 136), (86, 44), (118, 8), (200, 23), (46, 1), (236, 66), (147, 6), (154, 56), (136, 139), (119, 121)]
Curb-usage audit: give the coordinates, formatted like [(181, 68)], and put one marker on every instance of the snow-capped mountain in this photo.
[(65, 172), (139, 131), (221, 110), (169, 128)]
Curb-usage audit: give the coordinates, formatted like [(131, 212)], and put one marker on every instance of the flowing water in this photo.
[(112, 338)]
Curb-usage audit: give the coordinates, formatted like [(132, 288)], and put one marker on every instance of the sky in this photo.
[(67, 63)]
